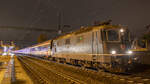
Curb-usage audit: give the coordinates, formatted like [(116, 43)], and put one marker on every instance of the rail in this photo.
[(141, 78), (44, 78)]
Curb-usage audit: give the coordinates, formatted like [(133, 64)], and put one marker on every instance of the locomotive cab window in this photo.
[(112, 35), (125, 36)]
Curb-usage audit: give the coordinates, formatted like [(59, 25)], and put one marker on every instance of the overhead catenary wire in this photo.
[(41, 11), (38, 14)]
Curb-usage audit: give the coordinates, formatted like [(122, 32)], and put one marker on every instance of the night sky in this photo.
[(44, 14)]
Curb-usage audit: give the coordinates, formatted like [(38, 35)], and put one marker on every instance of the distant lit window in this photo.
[(67, 41), (49, 47), (37, 49), (79, 39), (40, 48)]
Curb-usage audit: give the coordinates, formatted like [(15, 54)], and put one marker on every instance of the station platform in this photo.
[(2, 72), (20, 73), (11, 71), (3, 66)]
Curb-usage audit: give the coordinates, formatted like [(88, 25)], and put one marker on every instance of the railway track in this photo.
[(46, 75), (80, 75)]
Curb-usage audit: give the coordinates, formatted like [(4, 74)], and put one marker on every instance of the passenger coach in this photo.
[(39, 50)]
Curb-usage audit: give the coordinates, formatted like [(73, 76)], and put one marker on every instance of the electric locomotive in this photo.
[(100, 46)]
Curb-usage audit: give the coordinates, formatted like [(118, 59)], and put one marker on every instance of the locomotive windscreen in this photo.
[(125, 36), (112, 35)]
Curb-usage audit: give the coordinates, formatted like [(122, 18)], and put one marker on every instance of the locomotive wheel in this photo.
[(117, 70)]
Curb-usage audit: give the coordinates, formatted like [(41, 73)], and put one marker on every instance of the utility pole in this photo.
[(59, 22)]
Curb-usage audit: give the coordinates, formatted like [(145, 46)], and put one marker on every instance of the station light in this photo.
[(4, 54), (12, 54)]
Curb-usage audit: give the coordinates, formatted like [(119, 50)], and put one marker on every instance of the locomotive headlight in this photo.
[(113, 52), (121, 30), (129, 52)]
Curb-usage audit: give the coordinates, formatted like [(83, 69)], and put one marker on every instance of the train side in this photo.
[(22, 51), (41, 49), (76, 47), (90, 47)]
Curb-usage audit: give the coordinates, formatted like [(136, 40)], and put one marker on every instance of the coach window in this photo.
[(39, 48), (67, 41), (33, 49), (44, 47)]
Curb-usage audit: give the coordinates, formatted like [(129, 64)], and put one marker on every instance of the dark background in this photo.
[(134, 14)]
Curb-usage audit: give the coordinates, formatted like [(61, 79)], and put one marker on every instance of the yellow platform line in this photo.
[(2, 73)]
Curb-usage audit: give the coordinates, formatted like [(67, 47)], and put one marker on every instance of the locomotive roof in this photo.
[(87, 29)]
